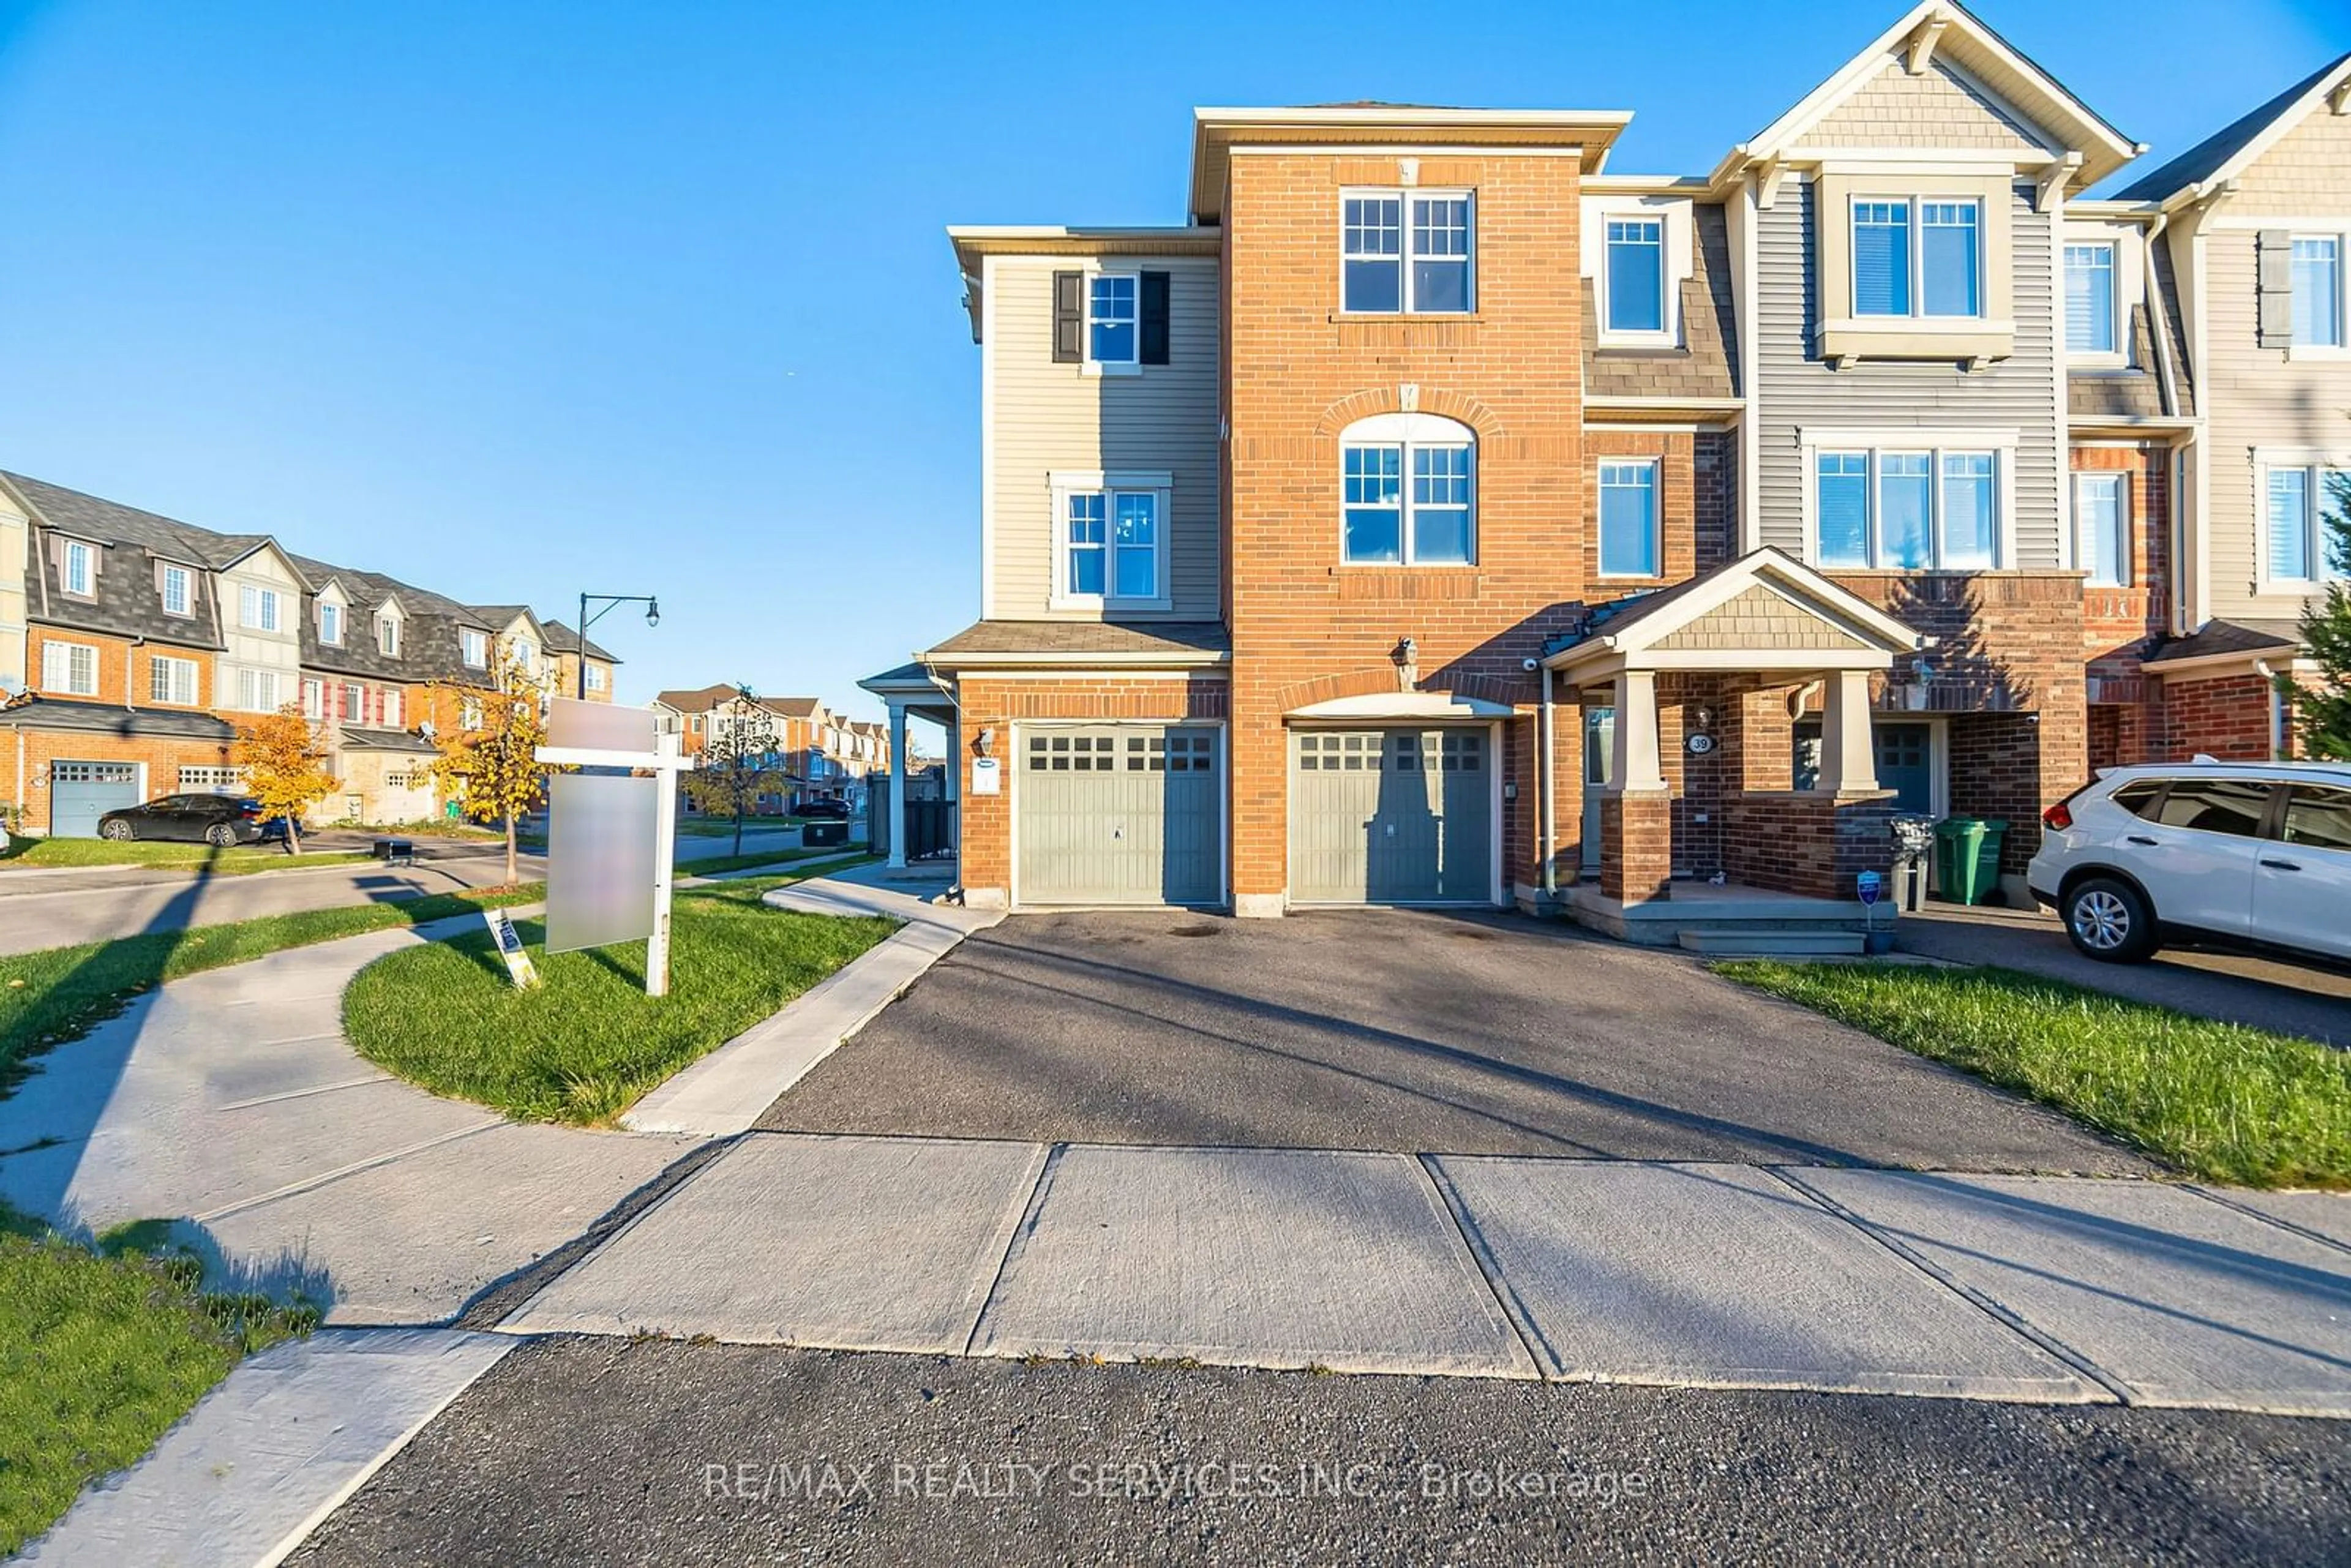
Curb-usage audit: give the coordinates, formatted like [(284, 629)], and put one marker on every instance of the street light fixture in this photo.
[(605, 602)]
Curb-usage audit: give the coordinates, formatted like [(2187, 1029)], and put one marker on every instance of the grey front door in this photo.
[(1120, 814), (1392, 816), (82, 792), (1599, 768)]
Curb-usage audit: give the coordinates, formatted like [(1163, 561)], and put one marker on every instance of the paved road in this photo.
[(604, 1451), (41, 911), (2256, 991), (1406, 1032)]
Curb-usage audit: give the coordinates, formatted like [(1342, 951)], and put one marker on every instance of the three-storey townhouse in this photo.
[(1570, 531), (119, 642), (583, 669), (2254, 245)]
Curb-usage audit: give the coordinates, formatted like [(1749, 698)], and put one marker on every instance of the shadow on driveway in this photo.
[(1402, 1031)]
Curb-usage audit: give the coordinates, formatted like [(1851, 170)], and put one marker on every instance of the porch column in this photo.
[(898, 786), (1849, 756), (1636, 767)]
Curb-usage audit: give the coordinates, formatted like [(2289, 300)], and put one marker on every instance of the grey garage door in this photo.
[(82, 792), (1392, 816), (1120, 814)]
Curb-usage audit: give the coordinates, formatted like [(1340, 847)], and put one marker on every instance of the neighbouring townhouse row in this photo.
[(1441, 516), (818, 755), (132, 644)]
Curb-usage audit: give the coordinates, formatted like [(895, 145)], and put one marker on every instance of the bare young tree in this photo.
[(741, 760)]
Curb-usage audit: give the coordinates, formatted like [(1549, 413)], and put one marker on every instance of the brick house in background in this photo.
[(145, 640), (1440, 517)]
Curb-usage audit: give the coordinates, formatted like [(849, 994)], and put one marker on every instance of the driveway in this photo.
[(2260, 992), (1404, 1032)]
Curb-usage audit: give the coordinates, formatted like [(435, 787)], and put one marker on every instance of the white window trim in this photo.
[(595, 676), (1407, 431), (88, 555), (172, 668), (259, 679), (1917, 315), (467, 638), (66, 651), (340, 616), (2002, 443), (2130, 287), (1407, 195), (2081, 477), (1067, 482), (2317, 463), (267, 608), (389, 648), (2322, 353), (1657, 519), (1091, 366), (1681, 265), (187, 580)]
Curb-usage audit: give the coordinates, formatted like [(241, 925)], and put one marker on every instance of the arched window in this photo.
[(1410, 491)]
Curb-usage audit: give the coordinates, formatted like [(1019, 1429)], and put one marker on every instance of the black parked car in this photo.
[(825, 810), (220, 820)]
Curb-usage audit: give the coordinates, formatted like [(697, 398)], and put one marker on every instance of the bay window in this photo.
[(1408, 491), (1916, 255)]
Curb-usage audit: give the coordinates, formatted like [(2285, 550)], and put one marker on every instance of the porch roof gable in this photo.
[(1764, 610)]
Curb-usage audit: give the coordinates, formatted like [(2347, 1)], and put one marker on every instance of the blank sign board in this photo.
[(600, 841), (602, 727)]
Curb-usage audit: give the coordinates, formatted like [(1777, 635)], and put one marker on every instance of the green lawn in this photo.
[(240, 861), (588, 1042), (58, 993), (710, 865), (100, 1352), (2219, 1101)]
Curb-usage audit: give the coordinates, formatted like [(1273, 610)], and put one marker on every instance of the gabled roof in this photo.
[(1937, 27), (1642, 623), (793, 707), (700, 699), (562, 638), (2225, 154), (2224, 639)]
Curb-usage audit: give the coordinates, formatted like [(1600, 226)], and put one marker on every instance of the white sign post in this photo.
[(665, 764)]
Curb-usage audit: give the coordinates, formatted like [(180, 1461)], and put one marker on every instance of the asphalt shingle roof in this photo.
[(1086, 637), (2204, 160)]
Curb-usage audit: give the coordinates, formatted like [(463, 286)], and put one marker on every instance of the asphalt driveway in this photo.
[(1407, 1032)]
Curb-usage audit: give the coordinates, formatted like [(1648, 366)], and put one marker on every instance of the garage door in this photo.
[(82, 792), (1120, 814), (1392, 816)]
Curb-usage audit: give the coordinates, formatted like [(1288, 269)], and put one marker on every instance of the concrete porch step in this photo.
[(1735, 944)]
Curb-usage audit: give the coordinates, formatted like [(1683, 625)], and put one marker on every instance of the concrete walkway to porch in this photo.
[(2037, 1289)]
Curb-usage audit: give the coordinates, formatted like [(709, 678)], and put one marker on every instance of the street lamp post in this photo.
[(605, 602)]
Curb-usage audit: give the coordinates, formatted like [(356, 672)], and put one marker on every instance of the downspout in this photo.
[(2159, 327), (1546, 806), (130, 678), (2277, 709)]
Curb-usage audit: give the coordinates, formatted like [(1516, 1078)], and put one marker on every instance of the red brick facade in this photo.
[(2228, 716)]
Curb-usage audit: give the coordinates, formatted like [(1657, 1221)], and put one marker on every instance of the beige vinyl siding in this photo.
[(1795, 388), (1052, 417), (1938, 107), (2306, 174), (2254, 398)]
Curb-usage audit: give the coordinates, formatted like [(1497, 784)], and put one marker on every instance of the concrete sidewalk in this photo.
[(729, 1089), (231, 1101), (2044, 1289)]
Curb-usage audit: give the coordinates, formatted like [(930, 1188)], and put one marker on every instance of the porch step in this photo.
[(1771, 944)]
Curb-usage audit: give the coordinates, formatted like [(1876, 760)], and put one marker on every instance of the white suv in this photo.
[(2236, 854)]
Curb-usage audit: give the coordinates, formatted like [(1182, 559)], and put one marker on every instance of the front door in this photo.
[(1906, 764), (1599, 771)]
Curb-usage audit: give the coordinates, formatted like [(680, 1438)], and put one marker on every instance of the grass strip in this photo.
[(100, 1352), (587, 1044), (2219, 1101), (242, 860)]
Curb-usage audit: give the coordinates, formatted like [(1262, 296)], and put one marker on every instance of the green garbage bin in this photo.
[(1967, 857)]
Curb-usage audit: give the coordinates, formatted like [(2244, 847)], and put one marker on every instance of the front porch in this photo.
[(1707, 688)]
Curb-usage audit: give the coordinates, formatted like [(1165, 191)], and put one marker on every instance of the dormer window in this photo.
[(330, 622), (178, 591), (78, 568), (387, 635), (476, 649)]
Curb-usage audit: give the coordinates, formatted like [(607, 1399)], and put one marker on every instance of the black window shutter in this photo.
[(1069, 317), (2274, 322), (1155, 319)]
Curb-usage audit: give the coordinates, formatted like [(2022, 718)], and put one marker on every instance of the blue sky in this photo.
[(516, 299)]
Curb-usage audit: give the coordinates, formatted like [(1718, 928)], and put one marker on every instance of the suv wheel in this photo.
[(220, 835), (2109, 920)]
